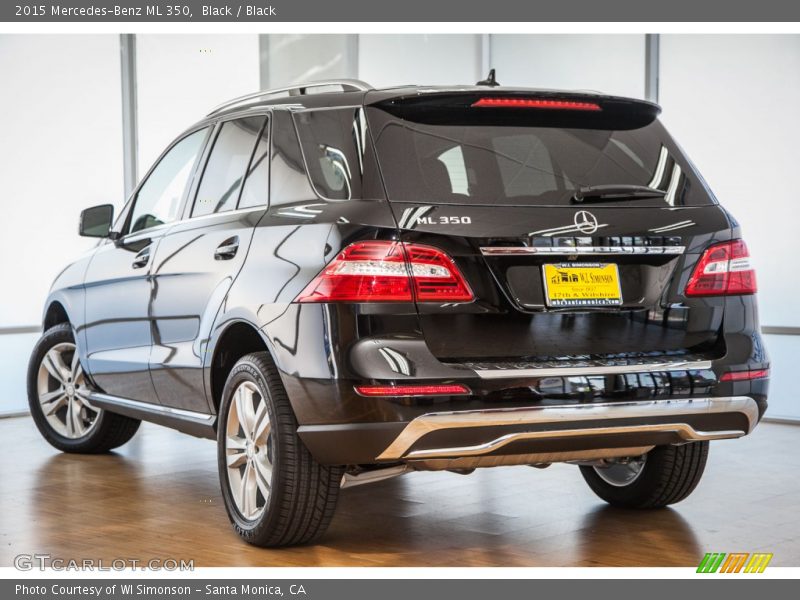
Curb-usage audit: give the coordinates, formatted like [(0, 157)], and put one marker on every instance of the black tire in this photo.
[(108, 431), (302, 495), (669, 475)]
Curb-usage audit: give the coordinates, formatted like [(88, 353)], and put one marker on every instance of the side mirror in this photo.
[(96, 221)]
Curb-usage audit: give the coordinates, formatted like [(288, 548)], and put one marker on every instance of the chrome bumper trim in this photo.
[(577, 414), (593, 370), (580, 250)]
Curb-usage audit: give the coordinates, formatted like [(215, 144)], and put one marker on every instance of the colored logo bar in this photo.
[(736, 562)]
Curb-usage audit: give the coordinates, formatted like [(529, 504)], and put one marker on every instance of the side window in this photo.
[(227, 166), (159, 197), (333, 144), (256, 186)]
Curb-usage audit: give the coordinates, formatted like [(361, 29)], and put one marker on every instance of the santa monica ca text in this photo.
[(141, 589)]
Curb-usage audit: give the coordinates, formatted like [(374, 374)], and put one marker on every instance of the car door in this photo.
[(199, 258), (118, 332)]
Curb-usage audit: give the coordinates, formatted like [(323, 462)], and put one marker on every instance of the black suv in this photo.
[(341, 284)]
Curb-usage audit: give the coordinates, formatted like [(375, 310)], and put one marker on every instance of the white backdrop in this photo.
[(61, 151), (182, 77), (613, 64), (731, 101), (385, 60)]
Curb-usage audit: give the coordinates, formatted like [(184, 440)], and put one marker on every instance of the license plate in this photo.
[(582, 284)]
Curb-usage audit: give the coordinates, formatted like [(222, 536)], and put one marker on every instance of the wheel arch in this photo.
[(55, 314), (235, 340)]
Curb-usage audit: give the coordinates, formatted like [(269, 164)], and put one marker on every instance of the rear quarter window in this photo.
[(333, 144)]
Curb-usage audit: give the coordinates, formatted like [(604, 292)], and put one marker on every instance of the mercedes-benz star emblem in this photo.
[(585, 222)]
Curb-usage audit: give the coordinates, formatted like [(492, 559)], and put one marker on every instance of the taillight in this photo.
[(378, 271), (723, 270), (413, 390), (745, 375), (511, 102)]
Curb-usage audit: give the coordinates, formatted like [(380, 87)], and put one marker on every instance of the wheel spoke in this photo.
[(236, 460), (83, 399), (235, 449), (52, 401), (235, 443), (262, 425), (76, 364), (68, 421), (54, 363), (244, 410), (77, 375), (77, 417), (263, 471), (248, 491)]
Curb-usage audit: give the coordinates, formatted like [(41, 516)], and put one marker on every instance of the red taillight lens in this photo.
[(378, 271), (723, 270), (745, 375), (510, 102), (413, 390)]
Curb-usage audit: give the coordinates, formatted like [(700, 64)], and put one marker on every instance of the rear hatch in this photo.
[(575, 219)]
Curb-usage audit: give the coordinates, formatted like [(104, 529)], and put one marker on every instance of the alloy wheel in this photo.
[(248, 450), (63, 393), (621, 473)]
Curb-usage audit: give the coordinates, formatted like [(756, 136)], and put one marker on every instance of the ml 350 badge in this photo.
[(582, 284)]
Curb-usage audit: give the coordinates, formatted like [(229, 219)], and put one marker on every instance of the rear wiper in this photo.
[(615, 192)]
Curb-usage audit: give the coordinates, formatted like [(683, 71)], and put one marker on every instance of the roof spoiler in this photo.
[(531, 108)]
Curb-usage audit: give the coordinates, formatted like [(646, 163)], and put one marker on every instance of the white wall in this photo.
[(386, 60), (731, 101), (613, 64), (182, 77), (296, 58), (61, 151)]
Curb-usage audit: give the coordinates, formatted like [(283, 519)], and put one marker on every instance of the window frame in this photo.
[(199, 159), (191, 199)]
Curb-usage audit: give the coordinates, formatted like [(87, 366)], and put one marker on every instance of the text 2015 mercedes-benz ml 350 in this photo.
[(341, 284)]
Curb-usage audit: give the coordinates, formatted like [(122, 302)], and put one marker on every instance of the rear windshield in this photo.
[(505, 164)]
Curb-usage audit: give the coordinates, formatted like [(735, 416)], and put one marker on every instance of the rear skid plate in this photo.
[(585, 421)]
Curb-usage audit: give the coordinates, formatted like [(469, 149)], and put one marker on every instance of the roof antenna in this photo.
[(490, 81)]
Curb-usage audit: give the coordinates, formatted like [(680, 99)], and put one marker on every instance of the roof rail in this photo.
[(346, 85)]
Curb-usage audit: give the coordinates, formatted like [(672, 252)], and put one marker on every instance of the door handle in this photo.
[(227, 249), (141, 259)]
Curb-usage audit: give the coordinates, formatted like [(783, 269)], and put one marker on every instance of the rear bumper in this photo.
[(558, 405), (533, 435)]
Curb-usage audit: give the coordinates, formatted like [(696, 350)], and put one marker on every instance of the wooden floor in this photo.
[(158, 497)]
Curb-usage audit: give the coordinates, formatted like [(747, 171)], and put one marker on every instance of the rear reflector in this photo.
[(413, 390), (510, 102), (378, 271), (723, 270), (744, 375)]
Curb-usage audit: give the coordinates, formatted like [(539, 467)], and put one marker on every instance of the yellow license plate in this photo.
[(582, 284)]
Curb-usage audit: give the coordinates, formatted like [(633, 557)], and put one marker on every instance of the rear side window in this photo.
[(227, 166), (519, 164), (333, 147)]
